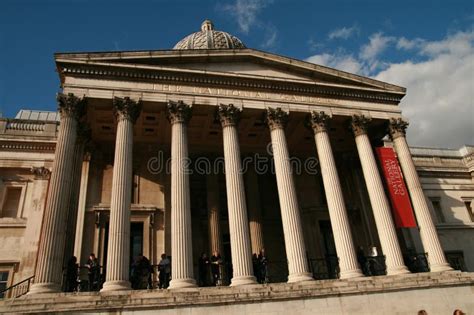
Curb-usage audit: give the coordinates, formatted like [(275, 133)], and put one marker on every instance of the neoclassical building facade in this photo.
[(215, 147)]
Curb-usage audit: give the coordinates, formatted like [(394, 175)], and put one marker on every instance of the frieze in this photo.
[(241, 84)]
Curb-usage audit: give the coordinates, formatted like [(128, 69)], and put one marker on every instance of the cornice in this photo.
[(196, 77), (26, 146)]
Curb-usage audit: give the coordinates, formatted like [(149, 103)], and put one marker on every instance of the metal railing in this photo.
[(325, 268), (417, 262), (18, 289), (373, 265)]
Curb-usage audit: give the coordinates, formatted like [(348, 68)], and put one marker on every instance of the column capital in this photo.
[(397, 128), (319, 122), (178, 112), (126, 108), (276, 118), (229, 115), (71, 105), (360, 124), (40, 172)]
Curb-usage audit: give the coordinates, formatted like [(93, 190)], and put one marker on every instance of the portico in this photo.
[(171, 133)]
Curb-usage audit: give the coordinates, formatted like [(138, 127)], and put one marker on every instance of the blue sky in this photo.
[(426, 46)]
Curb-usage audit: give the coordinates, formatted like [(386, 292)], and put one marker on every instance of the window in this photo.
[(468, 204), (438, 211), (3, 282), (11, 202)]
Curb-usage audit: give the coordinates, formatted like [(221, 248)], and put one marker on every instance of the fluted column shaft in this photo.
[(378, 199), (48, 272), (344, 243), (255, 214), (215, 235), (181, 237), (290, 215), (73, 202), (428, 233), (81, 208), (118, 252), (242, 268)]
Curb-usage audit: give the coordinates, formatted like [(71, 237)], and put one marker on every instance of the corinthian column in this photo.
[(215, 236), (346, 253), (83, 137), (290, 213), (238, 223), (51, 250), (429, 236), (118, 253), (255, 213), (378, 200), (181, 240)]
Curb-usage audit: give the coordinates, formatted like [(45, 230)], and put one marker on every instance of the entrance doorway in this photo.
[(136, 240)]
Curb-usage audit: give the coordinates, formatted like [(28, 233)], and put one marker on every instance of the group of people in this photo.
[(214, 266), (260, 266), (72, 273), (141, 273)]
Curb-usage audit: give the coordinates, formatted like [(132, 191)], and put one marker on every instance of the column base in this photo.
[(397, 271), (116, 285), (355, 273), (48, 287), (182, 283), (298, 277), (242, 280), (440, 267)]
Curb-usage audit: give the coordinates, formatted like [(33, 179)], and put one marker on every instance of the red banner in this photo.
[(399, 198)]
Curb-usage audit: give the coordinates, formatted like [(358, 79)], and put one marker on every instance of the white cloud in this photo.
[(377, 44), (343, 33), (440, 92), (440, 88), (407, 44), (339, 61), (246, 12), (270, 38)]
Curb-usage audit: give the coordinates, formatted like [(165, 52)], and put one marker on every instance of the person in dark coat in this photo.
[(93, 272), (203, 270), (164, 267), (256, 267), (71, 274), (263, 266), (216, 261)]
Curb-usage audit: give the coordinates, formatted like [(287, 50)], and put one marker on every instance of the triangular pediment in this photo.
[(242, 64)]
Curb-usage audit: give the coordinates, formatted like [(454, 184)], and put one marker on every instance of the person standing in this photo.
[(216, 261), (164, 267), (93, 272), (203, 270), (71, 274), (263, 266)]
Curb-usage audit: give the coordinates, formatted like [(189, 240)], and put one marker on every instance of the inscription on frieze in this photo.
[(262, 95)]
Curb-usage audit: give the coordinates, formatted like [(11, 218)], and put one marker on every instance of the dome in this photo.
[(208, 38)]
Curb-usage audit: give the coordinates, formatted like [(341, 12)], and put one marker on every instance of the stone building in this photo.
[(169, 151)]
